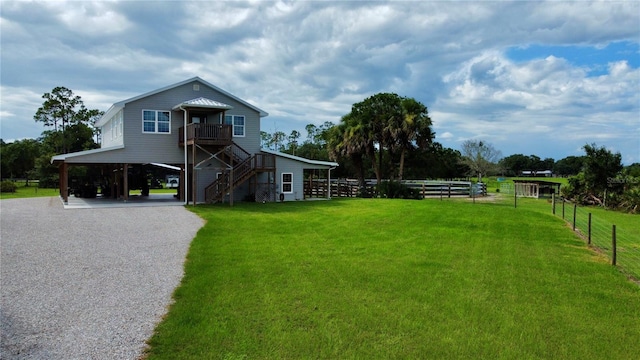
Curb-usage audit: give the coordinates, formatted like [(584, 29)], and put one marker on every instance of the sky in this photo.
[(528, 77)]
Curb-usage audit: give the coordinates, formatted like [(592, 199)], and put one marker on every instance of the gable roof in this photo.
[(301, 159), (119, 105)]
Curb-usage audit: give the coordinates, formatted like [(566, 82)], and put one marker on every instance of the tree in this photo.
[(513, 165), (351, 139), (292, 142), (480, 157), (414, 128), (265, 138), (435, 162), (633, 170), (600, 165), (62, 110), (384, 122), (571, 165), (18, 158)]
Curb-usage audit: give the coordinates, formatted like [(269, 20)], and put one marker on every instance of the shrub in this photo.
[(8, 186), (397, 190)]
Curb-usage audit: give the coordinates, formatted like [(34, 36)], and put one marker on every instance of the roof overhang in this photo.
[(75, 155), (166, 166), (320, 163), (202, 103)]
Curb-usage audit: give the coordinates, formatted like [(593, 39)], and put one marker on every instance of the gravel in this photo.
[(87, 283)]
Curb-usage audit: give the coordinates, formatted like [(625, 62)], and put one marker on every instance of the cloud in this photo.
[(309, 61)]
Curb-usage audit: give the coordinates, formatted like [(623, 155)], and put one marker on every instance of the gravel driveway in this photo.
[(87, 283)]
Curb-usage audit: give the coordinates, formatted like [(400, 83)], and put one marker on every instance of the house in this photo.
[(537, 173), (207, 136)]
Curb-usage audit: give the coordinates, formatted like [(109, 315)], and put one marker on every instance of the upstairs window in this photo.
[(238, 124), (156, 121)]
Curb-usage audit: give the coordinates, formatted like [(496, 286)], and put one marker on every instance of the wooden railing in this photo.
[(263, 162), (212, 134), (239, 173)]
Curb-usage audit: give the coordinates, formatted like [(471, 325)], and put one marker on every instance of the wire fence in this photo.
[(620, 244)]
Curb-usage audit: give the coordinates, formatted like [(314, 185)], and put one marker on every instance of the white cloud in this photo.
[(308, 62)]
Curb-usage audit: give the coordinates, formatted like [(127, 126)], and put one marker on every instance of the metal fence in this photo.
[(621, 245)]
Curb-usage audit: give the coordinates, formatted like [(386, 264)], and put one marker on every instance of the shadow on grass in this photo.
[(273, 207)]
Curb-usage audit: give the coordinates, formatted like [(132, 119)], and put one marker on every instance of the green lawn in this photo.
[(375, 278), (29, 191), (33, 191)]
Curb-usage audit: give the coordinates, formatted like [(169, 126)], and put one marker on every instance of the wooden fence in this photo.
[(318, 188)]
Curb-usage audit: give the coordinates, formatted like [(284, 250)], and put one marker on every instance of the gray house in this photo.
[(209, 137)]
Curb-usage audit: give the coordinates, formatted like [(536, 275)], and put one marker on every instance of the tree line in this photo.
[(385, 136), (69, 127)]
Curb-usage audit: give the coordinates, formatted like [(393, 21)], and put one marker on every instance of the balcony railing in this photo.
[(207, 134)]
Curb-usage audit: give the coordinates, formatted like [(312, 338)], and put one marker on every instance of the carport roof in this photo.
[(65, 157)]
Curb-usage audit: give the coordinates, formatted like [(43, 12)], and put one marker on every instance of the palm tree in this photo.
[(414, 127), (351, 139)]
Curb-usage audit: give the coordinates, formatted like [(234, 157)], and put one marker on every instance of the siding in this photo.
[(112, 134), (143, 148), (285, 165)]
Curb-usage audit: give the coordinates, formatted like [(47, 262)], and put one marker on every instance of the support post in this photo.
[(553, 203), (562, 209), (575, 207), (194, 190), (125, 181), (64, 182)]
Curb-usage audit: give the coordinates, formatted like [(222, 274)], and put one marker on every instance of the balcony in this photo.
[(207, 134)]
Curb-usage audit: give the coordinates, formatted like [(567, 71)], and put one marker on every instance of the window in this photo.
[(287, 183), (115, 125), (238, 124), (155, 121)]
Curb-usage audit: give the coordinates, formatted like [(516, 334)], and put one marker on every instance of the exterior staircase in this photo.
[(241, 166)]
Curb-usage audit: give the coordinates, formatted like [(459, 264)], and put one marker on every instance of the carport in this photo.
[(116, 178)]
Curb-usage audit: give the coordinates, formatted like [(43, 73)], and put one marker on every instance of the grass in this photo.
[(33, 191), (493, 183), (28, 192), (374, 278)]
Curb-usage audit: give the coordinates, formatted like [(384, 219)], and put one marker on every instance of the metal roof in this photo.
[(203, 103), (301, 159)]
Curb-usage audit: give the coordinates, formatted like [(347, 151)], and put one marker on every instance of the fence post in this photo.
[(575, 206), (613, 246), (515, 199), (589, 237), (471, 191), (449, 190), (563, 209), (553, 203)]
